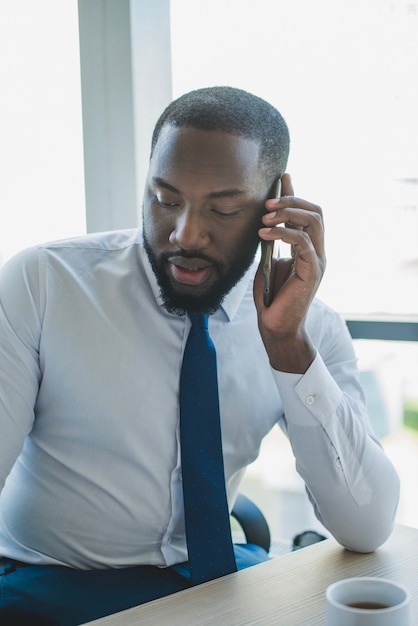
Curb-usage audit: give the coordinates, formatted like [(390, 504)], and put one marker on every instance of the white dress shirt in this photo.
[(89, 375)]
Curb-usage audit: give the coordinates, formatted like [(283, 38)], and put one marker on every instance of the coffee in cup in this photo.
[(367, 601)]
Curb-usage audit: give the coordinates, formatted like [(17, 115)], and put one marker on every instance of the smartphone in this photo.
[(268, 249)]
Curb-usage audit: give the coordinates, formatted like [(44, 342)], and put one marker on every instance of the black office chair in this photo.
[(252, 522), (256, 529)]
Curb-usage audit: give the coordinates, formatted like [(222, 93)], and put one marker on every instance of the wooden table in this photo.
[(289, 590)]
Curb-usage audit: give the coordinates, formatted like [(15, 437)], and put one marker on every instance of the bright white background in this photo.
[(41, 150), (343, 74)]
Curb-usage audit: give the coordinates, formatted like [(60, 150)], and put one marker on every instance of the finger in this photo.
[(306, 233), (292, 202), (287, 186), (272, 234), (294, 218), (282, 270), (288, 235)]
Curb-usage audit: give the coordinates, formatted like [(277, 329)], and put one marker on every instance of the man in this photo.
[(93, 332)]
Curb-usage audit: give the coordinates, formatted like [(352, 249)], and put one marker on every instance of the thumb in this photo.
[(258, 288)]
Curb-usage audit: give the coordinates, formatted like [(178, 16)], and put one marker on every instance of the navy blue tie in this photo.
[(208, 530)]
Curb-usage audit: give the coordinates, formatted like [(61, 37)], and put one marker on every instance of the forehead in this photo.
[(196, 153)]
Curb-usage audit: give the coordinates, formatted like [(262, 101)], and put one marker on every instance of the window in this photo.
[(343, 75), (41, 154)]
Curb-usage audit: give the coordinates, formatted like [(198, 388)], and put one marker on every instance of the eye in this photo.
[(165, 203), (227, 214)]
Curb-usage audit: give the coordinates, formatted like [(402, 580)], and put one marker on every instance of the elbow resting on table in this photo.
[(361, 526), (372, 527), (365, 545)]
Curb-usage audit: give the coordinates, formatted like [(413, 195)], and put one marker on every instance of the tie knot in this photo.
[(200, 320)]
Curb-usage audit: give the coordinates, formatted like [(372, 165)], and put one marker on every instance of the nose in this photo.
[(190, 231)]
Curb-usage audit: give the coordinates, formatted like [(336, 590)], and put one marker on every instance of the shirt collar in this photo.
[(231, 301), (151, 276)]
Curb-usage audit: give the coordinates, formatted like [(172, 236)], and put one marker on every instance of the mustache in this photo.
[(193, 254)]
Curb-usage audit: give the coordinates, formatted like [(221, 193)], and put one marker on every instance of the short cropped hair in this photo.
[(234, 111)]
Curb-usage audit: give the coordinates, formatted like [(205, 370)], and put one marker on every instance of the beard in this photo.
[(207, 302)]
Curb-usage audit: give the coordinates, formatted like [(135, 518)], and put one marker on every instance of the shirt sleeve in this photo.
[(19, 354), (352, 485)]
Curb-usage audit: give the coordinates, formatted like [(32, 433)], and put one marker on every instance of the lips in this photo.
[(192, 271)]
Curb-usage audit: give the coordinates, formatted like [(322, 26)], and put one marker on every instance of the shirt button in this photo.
[(310, 399)]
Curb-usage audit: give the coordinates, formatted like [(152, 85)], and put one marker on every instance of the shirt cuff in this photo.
[(309, 399)]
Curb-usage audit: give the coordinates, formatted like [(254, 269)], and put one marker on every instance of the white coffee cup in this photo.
[(367, 602)]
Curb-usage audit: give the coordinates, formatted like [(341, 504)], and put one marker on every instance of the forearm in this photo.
[(291, 354), (355, 499), (352, 484)]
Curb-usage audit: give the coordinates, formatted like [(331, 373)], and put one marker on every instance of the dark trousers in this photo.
[(51, 595)]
